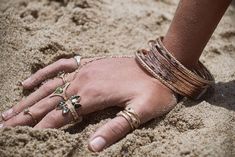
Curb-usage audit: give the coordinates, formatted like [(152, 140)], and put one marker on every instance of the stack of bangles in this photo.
[(159, 62)]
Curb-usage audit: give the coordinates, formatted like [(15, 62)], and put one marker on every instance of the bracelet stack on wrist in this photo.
[(159, 62)]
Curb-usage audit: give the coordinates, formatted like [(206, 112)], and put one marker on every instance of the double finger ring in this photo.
[(27, 112), (71, 105), (61, 91), (131, 117)]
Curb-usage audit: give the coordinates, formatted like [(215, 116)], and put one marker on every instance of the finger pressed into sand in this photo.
[(45, 90), (38, 111), (66, 65), (109, 133)]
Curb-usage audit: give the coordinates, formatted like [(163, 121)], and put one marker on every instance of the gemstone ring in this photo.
[(71, 105), (61, 91)]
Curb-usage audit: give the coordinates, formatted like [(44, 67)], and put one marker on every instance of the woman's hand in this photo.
[(101, 84)]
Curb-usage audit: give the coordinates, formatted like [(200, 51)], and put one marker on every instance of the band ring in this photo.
[(61, 91), (27, 112), (71, 105), (132, 118)]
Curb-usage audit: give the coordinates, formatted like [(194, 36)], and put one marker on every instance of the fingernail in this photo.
[(1, 125), (26, 81), (97, 144), (19, 83), (7, 114)]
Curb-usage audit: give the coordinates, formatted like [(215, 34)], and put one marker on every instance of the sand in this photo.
[(35, 33)]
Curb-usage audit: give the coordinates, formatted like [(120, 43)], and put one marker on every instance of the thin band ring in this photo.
[(26, 111)]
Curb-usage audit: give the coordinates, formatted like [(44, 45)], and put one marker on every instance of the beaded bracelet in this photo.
[(159, 62)]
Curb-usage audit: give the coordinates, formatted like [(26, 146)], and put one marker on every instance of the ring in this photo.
[(78, 59), (61, 91), (71, 105), (26, 111), (132, 118), (63, 77)]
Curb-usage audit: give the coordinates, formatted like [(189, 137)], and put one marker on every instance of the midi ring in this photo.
[(63, 77), (26, 111), (131, 117), (78, 59), (61, 91), (71, 105)]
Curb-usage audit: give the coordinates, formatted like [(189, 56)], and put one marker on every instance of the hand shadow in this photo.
[(233, 3), (222, 95), (93, 118)]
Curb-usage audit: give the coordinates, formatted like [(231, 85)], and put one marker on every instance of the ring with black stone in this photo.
[(71, 105)]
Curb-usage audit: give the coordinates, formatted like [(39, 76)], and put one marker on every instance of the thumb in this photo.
[(109, 133), (117, 128)]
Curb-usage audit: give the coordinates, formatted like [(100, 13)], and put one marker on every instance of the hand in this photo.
[(101, 84)]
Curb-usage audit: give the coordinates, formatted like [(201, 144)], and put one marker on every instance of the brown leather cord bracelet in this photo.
[(159, 62)]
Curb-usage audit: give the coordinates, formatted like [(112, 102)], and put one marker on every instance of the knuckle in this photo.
[(13, 121), (51, 117), (92, 91), (40, 73), (49, 101), (88, 73), (47, 87), (61, 62), (116, 127)]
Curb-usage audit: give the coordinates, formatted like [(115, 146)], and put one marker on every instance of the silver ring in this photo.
[(78, 59)]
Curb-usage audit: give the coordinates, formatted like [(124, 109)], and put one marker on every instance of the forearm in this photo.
[(192, 26)]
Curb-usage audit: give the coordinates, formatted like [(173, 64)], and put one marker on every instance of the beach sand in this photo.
[(35, 33)]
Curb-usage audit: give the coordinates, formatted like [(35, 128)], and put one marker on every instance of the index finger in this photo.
[(66, 65)]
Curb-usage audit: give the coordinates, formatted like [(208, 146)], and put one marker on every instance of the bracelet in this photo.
[(162, 65)]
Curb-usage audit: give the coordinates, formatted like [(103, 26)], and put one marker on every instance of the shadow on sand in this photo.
[(222, 95)]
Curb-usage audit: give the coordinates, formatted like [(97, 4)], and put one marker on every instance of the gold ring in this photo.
[(61, 91), (63, 77), (26, 111), (132, 118)]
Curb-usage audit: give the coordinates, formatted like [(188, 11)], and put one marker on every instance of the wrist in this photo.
[(182, 51)]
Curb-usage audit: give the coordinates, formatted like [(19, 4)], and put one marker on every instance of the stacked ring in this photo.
[(132, 118)]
